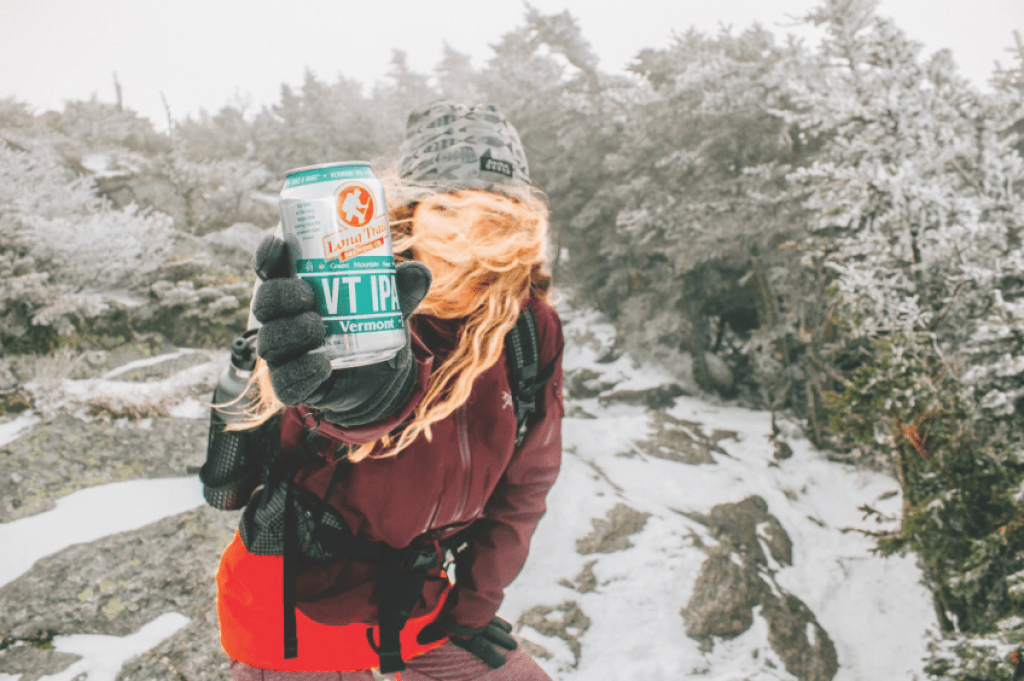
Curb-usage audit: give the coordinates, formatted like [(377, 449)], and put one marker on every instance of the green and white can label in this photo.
[(334, 219)]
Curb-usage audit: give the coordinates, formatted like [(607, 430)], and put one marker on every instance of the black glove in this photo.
[(291, 328), (485, 643)]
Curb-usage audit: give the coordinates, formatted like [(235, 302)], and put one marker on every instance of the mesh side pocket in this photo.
[(262, 525), (230, 473)]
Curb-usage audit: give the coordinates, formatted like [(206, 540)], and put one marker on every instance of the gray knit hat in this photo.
[(452, 146)]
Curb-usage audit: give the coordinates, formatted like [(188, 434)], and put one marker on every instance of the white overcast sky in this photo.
[(203, 54)]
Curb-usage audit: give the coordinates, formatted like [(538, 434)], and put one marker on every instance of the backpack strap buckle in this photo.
[(311, 420), (419, 559)]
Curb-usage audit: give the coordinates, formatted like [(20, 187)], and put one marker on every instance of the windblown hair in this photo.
[(487, 254)]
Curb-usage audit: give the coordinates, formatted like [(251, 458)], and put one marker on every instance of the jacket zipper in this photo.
[(467, 462), (463, 434), (433, 515)]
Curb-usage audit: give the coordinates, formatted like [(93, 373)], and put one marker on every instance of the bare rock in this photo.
[(534, 649), (66, 455), (585, 383), (782, 450), (723, 598), (741, 524), (119, 583), (660, 397), (719, 434), (780, 546), (575, 411), (585, 581), (737, 577), (612, 532), (679, 440), (566, 621), (795, 635), (33, 659)]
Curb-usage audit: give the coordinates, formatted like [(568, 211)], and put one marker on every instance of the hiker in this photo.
[(373, 480)]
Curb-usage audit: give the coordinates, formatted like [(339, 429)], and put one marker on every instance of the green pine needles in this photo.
[(963, 507)]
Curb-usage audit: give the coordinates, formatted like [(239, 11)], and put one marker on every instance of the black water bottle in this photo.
[(230, 473)]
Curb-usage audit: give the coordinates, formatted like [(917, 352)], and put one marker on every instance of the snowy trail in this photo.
[(874, 609)]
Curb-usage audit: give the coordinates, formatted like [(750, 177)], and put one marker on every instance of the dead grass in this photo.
[(55, 366), (110, 408)]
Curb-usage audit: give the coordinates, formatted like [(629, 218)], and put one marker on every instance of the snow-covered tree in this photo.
[(918, 217)]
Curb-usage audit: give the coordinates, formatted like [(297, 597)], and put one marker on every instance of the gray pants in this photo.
[(447, 662)]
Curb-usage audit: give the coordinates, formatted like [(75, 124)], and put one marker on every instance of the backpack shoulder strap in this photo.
[(525, 377)]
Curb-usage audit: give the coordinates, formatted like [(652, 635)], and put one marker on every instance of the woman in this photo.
[(374, 476)]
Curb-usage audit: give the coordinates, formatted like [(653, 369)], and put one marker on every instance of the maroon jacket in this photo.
[(468, 473)]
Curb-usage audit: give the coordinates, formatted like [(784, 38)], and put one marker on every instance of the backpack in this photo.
[(283, 518)]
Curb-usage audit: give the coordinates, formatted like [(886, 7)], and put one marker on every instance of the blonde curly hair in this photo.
[(487, 253)]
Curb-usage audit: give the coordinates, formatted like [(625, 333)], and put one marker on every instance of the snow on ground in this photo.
[(77, 395), (146, 362), (103, 656), (93, 513), (874, 609), (12, 430)]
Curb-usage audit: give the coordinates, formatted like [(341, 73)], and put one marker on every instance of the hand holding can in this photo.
[(334, 220), (293, 331)]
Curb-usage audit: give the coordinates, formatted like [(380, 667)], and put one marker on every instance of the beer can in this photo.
[(335, 222)]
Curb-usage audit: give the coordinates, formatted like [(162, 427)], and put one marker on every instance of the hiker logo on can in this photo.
[(335, 222), (355, 205)]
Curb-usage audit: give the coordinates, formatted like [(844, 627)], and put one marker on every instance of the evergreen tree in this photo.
[(402, 90), (223, 136), (700, 206), (457, 80), (918, 218), (316, 124), (570, 116)]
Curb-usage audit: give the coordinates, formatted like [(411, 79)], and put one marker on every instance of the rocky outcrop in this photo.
[(723, 599), (115, 586), (565, 621), (89, 435), (658, 397), (681, 440), (611, 533), (120, 584), (737, 578), (67, 455)]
